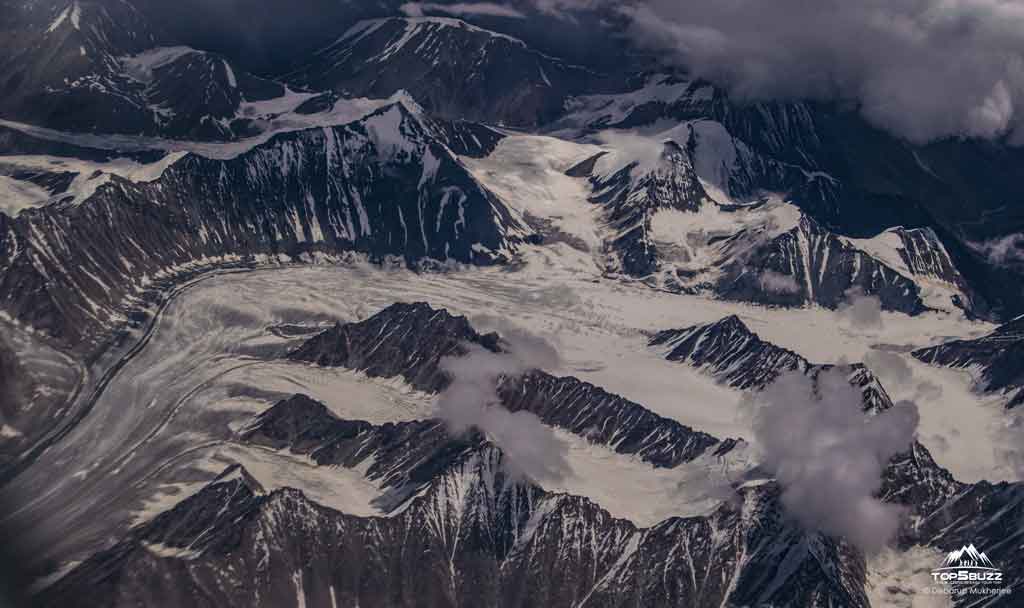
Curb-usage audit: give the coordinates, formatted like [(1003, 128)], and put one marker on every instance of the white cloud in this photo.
[(860, 310), (896, 374), (778, 282), (1005, 251), (923, 69), (531, 448), (829, 457), (890, 368)]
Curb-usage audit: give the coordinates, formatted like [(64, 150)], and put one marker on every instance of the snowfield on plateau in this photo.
[(210, 367)]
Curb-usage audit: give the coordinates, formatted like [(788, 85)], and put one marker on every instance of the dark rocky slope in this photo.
[(810, 265), (823, 267), (387, 185), (76, 66), (997, 359), (468, 536), (631, 195), (729, 351), (852, 178), (455, 530), (452, 68), (409, 340)]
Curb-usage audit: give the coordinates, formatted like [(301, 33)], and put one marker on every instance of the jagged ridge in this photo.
[(729, 351), (409, 340), (69, 66), (999, 356), (630, 195), (384, 185), (468, 535), (451, 67)]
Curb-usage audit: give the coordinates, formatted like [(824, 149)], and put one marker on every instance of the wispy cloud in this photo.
[(471, 400), (778, 282), (461, 9), (860, 310), (1005, 251), (829, 457)]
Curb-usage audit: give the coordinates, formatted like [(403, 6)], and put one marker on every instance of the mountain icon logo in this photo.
[(967, 566), (967, 557)]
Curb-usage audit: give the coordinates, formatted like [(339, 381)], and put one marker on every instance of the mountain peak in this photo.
[(407, 340), (238, 474), (732, 323), (413, 24), (967, 557), (727, 349)]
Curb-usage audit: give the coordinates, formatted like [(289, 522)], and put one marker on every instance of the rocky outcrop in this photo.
[(629, 195), (996, 359), (730, 352), (407, 340), (661, 225), (89, 66), (821, 269)]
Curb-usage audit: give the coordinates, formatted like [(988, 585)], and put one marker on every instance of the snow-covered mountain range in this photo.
[(434, 312)]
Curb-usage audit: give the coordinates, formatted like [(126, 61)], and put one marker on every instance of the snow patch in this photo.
[(349, 394), (90, 176), (714, 156), (340, 488), (272, 117), (142, 66), (76, 16), (72, 12), (230, 73), (630, 488), (9, 432), (16, 195), (600, 327), (608, 110), (528, 174)]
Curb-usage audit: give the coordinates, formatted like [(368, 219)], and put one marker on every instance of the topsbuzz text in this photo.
[(967, 571), (967, 576)]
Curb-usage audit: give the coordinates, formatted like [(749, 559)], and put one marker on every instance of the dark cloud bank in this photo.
[(923, 69)]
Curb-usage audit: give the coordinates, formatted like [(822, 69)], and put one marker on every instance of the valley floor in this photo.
[(165, 424)]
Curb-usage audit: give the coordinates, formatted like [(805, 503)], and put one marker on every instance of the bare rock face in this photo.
[(816, 265), (407, 340), (823, 269), (773, 204), (455, 528), (89, 66)]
